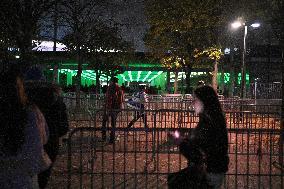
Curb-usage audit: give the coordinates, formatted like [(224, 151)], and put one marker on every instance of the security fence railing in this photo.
[(143, 157), (260, 90), (156, 102)]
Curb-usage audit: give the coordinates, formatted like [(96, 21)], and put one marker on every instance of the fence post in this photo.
[(69, 166), (282, 123)]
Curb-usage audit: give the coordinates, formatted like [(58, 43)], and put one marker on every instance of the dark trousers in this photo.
[(138, 115), (113, 114), (43, 178)]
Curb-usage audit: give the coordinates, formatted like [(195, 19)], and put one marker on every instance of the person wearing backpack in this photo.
[(47, 97), (113, 104)]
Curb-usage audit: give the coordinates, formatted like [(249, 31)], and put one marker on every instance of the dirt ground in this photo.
[(142, 159)]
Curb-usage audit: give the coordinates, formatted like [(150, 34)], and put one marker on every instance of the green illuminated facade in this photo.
[(153, 78), (139, 73)]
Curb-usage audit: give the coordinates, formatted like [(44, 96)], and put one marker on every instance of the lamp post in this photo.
[(243, 84), (236, 25)]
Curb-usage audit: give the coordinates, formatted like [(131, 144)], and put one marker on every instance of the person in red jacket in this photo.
[(114, 99)]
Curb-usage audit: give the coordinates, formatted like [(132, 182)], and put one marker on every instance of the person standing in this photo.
[(47, 97), (138, 102), (113, 104), (211, 134), (22, 135)]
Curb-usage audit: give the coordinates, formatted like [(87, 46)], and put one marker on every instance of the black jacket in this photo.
[(44, 95), (212, 138)]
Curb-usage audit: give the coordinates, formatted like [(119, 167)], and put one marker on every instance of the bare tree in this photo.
[(91, 33), (21, 20)]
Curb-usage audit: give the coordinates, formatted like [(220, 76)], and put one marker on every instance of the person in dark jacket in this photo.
[(47, 97), (194, 175), (113, 104), (211, 134)]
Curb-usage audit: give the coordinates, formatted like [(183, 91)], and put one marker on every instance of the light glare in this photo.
[(236, 24), (255, 25), (176, 134)]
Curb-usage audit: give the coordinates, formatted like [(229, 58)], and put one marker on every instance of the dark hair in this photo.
[(34, 73), (114, 79), (142, 87), (212, 106), (13, 114), (209, 98)]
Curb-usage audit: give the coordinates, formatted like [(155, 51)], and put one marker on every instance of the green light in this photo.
[(130, 76), (247, 78), (240, 78), (148, 74), (159, 73), (226, 77), (123, 77), (138, 77), (147, 65)]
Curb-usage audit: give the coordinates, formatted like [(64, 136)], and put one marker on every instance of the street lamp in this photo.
[(236, 25)]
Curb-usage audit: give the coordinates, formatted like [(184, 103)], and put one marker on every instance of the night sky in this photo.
[(130, 16)]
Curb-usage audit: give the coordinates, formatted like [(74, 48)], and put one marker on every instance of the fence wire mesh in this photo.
[(143, 157)]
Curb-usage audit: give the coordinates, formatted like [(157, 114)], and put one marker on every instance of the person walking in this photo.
[(22, 135), (48, 98), (211, 134), (113, 104), (137, 102), (194, 175)]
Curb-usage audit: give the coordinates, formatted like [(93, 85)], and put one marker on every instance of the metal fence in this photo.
[(180, 102), (143, 157), (260, 90)]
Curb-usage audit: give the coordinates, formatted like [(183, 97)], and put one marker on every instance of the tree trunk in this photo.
[(176, 83), (78, 79), (214, 78), (98, 84), (55, 78), (25, 47), (222, 84), (232, 73), (168, 81), (281, 160), (188, 89), (55, 26)]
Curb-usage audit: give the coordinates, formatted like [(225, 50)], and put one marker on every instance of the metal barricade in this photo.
[(142, 157)]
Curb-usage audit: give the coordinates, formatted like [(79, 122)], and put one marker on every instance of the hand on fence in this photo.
[(175, 137)]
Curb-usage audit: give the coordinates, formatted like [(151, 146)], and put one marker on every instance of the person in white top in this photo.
[(139, 103), (22, 137)]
